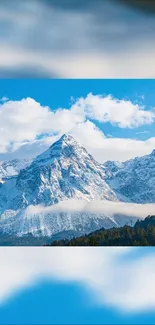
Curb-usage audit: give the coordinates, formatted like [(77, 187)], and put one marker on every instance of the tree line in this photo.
[(141, 234)]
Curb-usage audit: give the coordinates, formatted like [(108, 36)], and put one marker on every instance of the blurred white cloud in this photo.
[(4, 99), (114, 276), (95, 40)]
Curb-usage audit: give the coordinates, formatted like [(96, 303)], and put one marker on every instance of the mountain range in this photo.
[(66, 172), (133, 180)]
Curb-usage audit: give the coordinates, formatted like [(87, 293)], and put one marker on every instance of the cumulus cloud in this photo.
[(117, 149), (108, 148), (27, 128), (122, 113), (88, 134), (26, 119), (114, 276)]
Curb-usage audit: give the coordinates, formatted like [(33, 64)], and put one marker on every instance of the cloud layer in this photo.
[(108, 207)]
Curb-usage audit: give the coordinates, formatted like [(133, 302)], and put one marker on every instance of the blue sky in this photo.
[(120, 120), (57, 92), (78, 286)]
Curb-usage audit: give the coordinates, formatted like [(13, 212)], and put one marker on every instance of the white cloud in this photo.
[(27, 129), (143, 132), (88, 134), (96, 206), (127, 284), (122, 113), (24, 120), (104, 148)]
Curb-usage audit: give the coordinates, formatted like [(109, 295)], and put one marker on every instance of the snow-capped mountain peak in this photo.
[(66, 147), (68, 139), (64, 171), (65, 141)]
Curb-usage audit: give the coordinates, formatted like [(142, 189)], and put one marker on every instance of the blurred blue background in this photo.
[(77, 285), (77, 39)]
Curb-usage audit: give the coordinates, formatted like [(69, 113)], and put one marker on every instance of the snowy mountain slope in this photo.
[(3, 173), (64, 171), (133, 180), (67, 172), (44, 223), (13, 167)]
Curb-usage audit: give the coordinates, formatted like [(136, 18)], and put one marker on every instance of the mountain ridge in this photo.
[(66, 171), (134, 179)]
